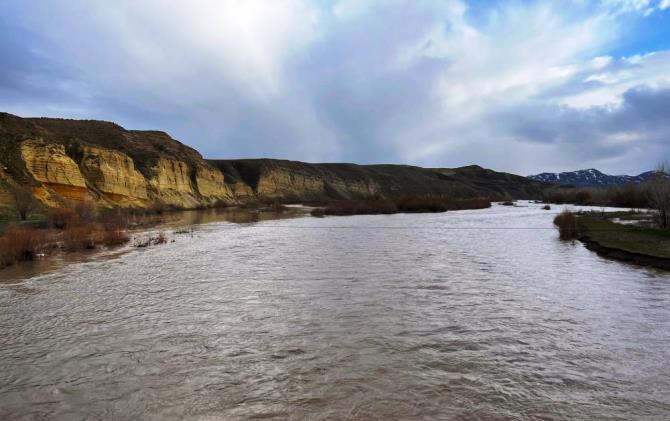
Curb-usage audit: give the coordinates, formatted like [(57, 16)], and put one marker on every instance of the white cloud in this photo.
[(420, 81), (349, 9), (519, 53), (652, 70), (179, 46)]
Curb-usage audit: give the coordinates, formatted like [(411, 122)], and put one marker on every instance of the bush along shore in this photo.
[(401, 205), (78, 227), (632, 242)]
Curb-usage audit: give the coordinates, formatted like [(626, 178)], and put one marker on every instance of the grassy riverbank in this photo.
[(635, 244)]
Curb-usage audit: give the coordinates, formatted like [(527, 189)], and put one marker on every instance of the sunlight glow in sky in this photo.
[(521, 86)]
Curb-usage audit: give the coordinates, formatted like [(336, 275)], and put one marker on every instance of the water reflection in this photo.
[(235, 215)]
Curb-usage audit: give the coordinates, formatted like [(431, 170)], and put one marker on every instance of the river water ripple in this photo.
[(464, 315)]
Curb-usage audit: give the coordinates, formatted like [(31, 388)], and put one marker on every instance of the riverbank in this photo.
[(625, 242), (55, 236), (81, 229), (26, 243), (66, 230), (400, 205)]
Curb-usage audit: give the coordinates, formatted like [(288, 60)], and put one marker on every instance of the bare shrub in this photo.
[(566, 222), (409, 204), (465, 204), (161, 238), (86, 211), (62, 218), (353, 207), (81, 237), (114, 237), (658, 192), (21, 244), (583, 197), (114, 219), (277, 206), (24, 201)]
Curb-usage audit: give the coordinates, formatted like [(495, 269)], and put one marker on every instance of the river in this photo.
[(464, 315)]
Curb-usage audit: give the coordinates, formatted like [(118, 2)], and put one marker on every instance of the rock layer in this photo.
[(77, 160), (114, 174), (49, 164)]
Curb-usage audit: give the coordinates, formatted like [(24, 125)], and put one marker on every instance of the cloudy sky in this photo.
[(520, 86)]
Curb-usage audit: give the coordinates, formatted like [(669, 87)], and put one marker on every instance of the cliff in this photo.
[(75, 160), (71, 160), (296, 181)]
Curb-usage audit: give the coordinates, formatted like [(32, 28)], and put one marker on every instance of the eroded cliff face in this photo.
[(49, 164), (111, 178), (241, 192), (278, 183), (172, 175), (171, 184), (210, 183), (364, 188), (284, 183), (114, 174), (65, 160)]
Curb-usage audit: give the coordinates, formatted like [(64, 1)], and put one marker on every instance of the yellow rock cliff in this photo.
[(49, 164), (114, 174)]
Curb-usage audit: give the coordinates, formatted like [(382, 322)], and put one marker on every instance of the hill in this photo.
[(74, 160), (295, 181), (591, 178)]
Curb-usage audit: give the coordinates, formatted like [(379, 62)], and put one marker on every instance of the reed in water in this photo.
[(400, 205), (566, 222)]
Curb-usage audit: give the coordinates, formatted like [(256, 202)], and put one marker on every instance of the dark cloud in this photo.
[(639, 125)]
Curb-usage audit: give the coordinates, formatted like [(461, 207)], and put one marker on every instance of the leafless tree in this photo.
[(86, 211), (658, 191), (23, 200)]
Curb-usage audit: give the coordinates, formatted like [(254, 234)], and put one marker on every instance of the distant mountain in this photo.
[(591, 178)]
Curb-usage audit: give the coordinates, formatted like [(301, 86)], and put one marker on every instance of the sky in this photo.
[(521, 86)]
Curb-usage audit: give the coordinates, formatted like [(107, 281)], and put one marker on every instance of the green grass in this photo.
[(647, 241), (9, 217)]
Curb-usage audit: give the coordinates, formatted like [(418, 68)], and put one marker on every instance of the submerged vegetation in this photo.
[(19, 244), (159, 238), (566, 222), (401, 205), (77, 227)]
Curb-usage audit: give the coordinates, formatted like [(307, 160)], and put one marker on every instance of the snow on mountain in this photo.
[(591, 178)]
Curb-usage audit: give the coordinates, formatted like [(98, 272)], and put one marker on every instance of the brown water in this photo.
[(464, 315)]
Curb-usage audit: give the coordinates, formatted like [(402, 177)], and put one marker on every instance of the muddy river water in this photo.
[(464, 315)]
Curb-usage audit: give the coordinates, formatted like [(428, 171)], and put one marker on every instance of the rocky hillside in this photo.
[(295, 181), (591, 178), (78, 160), (73, 160)]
